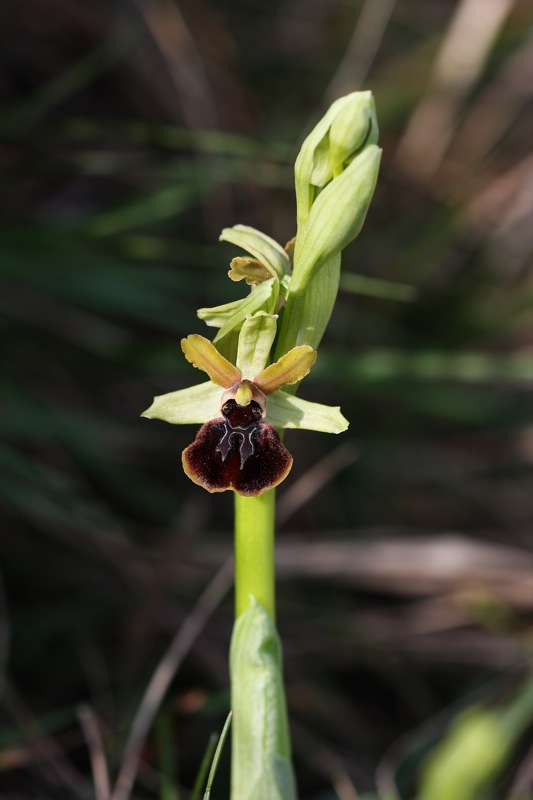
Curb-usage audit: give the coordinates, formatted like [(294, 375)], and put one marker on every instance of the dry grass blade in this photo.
[(325, 761), (91, 731), (315, 479), (44, 751), (5, 634), (524, 777), (414, 566), (496, 109), (459, 63), (185, 67), (163, 675), (500, 214), (362, 48)]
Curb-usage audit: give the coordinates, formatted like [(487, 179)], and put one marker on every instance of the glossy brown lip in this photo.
[(250, 459)]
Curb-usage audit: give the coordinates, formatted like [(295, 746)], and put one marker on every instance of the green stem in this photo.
[(254, 552)]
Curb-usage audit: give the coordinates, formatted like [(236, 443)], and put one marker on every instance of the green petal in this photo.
[(194, 405), (262, 298), (261, 246), (255, 341), (216, 316), (289, 369), (203, 354), (285, 411)]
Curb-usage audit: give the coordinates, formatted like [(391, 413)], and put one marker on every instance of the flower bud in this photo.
[(354, 127), (336, 173), (336, 217), (345, 129)]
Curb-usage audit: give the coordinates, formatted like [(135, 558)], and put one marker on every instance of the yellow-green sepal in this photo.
[(286, 411), (194, 405), (202, 354), (216, 316)]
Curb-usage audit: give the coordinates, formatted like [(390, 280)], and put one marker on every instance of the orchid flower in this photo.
[(238, 446)]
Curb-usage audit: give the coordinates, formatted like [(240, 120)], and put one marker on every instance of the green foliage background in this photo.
[(131, 134)]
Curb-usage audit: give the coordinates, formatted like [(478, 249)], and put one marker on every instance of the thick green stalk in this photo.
[(254, 552), (261, 753)]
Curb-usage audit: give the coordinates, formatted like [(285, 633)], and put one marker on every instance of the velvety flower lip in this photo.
[(238, 448), (238, 452)]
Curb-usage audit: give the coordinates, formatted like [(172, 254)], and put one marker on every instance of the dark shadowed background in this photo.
[(131, 133)]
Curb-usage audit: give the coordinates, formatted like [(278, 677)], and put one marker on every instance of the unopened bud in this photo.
[(349, 125)]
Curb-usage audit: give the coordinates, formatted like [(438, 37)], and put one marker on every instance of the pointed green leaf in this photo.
[(255, 341), (260, 745), (194, 405), (261, 246), (287, 370), (202, 354), (286, 411), (216, 316), (274, 782), (262, 298), (468, 758)]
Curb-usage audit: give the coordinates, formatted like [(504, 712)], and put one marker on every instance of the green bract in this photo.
[(336, 217), (261, 768)]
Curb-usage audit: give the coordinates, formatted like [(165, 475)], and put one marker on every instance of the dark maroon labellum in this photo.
[(239, 452)]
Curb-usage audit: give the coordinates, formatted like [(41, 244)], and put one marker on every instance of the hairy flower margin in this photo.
[(282, 319)]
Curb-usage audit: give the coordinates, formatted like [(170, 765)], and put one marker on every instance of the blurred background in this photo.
[(131, 132)]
